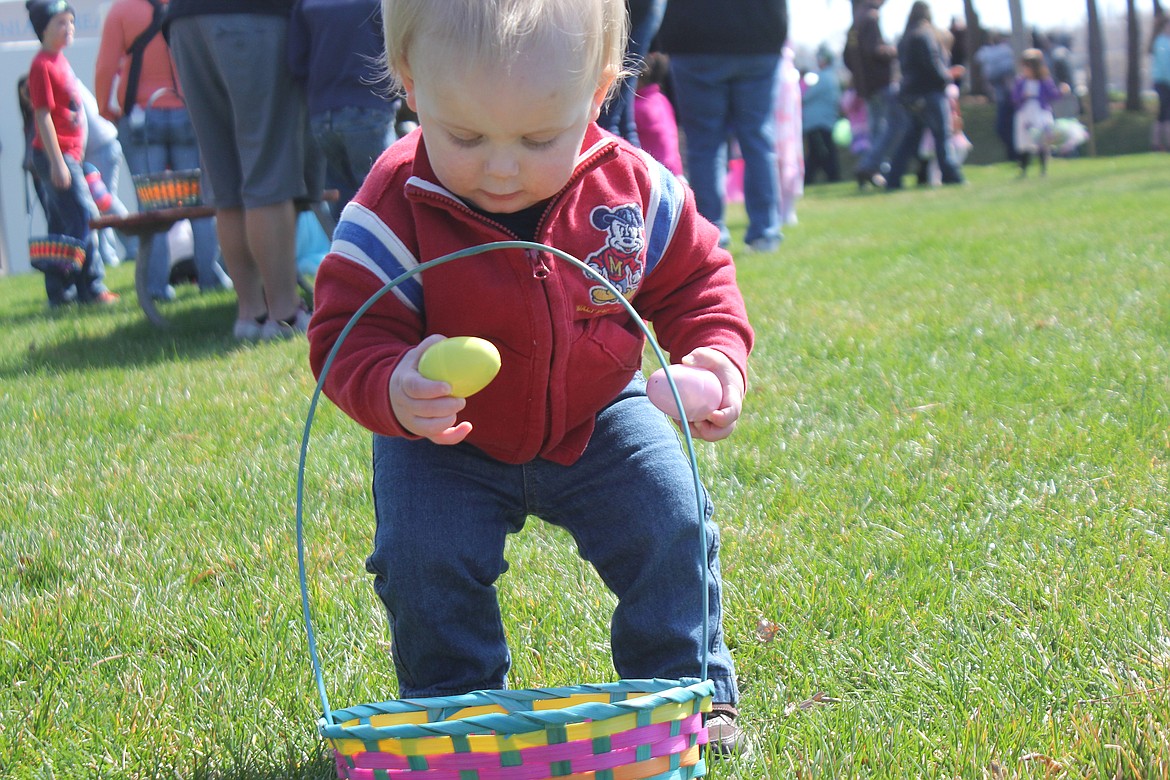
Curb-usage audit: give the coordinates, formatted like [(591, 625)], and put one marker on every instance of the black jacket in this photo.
[(925, 67), (724, 27)]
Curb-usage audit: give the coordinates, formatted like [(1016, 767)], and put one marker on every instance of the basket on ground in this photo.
[(626, 730), (610, 731), (56, 253), (168, 189)]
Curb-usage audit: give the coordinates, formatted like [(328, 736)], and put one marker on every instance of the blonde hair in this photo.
[(498, 32), (1033, 60)]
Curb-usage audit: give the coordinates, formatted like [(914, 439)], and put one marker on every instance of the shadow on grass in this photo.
[(195, 329)]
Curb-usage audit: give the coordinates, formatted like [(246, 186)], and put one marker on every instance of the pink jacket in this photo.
[(567, 346), (658, 127)]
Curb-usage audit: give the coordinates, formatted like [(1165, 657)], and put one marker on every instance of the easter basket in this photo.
[(648, 729), (56, 253), (168, 189)]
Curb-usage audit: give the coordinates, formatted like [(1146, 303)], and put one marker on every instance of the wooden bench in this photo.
[(149, 225)]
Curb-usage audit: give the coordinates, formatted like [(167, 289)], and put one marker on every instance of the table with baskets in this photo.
[(166, 198)]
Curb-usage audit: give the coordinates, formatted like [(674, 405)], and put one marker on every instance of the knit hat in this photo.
[(41, 12)]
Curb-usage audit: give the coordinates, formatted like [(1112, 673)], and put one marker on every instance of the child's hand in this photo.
[(423, 406), (721, 422), (59, 173)]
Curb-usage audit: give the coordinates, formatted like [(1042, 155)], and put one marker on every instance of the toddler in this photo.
[(1033, 96), (507, 93), (855, 111), (654, 114)]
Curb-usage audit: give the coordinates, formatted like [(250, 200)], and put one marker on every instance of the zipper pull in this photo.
[(540, 269)]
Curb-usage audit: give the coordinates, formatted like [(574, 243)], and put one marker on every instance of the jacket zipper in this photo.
[(540, 269)]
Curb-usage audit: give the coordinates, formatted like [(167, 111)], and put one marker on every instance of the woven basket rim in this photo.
[(185, 173), (57, 238), (657, 693)]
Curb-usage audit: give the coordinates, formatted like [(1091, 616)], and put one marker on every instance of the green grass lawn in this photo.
[(945, 513)]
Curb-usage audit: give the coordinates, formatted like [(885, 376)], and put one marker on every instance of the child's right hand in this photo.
[(424, 406), (59, 173)]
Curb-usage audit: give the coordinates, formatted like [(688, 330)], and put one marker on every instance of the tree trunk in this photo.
[(1019, 31), (1098, 82), (976, 37), (1133, 58)]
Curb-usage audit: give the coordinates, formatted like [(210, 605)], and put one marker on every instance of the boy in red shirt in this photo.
[(57, 151)]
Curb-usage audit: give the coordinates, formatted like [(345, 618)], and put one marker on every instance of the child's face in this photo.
[(59, 32), (501, 141)]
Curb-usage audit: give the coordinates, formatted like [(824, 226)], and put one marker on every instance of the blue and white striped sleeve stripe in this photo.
[(662, 210), (362, 238)]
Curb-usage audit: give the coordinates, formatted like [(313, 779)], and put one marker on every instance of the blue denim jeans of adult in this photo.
[(884, 129), (1005, 121), (68, 213), (617, 116), (154, 141), (444, 513), (921, 113), (736, 94), (350, 140)]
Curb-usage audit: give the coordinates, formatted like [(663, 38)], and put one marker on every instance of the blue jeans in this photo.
[(444, 513), (882, 113), (350, 140), (68, 212), (925, 112), (617, 116), (1005, 121), (718, 94), (161, 139)]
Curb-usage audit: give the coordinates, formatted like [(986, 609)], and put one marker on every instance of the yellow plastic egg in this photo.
[(467, 363)]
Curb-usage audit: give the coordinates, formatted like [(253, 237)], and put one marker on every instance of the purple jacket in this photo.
[(1048, 93)]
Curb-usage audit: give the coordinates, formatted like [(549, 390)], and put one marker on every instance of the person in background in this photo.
[(928, 170), (1160, 73), (926, 73), (57, 150), (251, 126), (155, 127), (959, 44), (857, 113), (820, 108), (871, 62), (333, 50), (506, 92), (103, 151), (789, 137), (1060, 62), (654, 113), (1033, 96), (725, 63), (618, 115), (998, 63)]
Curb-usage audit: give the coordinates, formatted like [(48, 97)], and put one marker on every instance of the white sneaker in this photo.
[(286, 329), (247, 330)]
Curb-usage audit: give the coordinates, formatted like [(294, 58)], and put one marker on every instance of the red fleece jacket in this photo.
[(567, 347)]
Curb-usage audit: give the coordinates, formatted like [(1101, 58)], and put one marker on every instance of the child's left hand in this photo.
[(721, 422)]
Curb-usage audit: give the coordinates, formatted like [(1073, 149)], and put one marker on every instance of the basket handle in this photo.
[(476, 250)]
